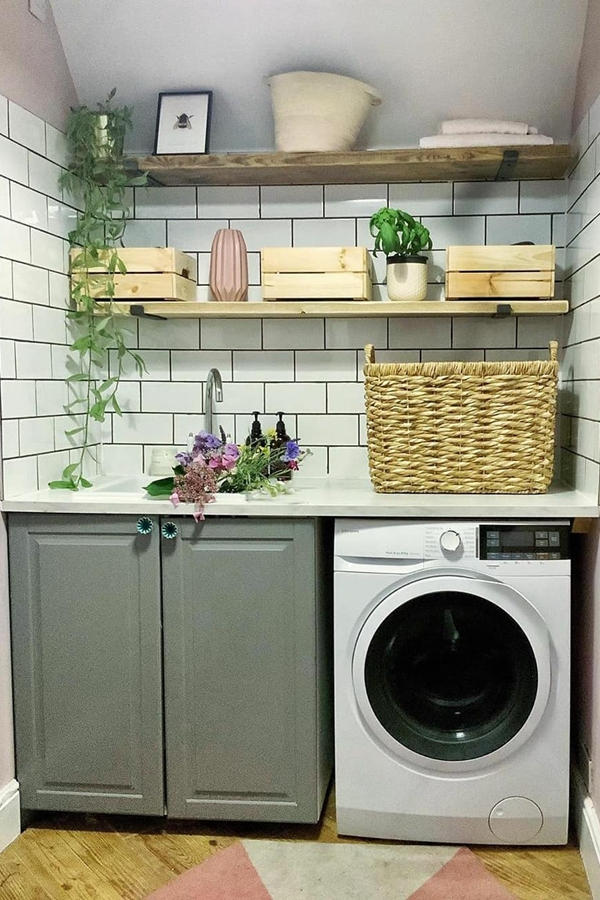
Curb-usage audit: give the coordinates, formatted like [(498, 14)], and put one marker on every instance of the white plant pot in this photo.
[(318, 111), (407, 281)]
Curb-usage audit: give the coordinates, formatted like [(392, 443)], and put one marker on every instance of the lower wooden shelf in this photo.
[(331, 309)]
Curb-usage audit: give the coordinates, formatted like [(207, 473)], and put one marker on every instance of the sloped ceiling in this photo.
[(430, 60)]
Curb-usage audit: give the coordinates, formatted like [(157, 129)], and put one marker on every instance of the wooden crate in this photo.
[(504, 270), (316, 273), (153, 273)]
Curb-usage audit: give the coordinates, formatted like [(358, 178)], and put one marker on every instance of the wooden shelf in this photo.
[(357, 166), (336, 309)]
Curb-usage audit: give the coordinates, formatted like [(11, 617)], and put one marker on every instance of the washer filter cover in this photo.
[(516, 820)]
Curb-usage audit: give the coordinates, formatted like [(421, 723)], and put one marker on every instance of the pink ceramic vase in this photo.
[(229, 266)]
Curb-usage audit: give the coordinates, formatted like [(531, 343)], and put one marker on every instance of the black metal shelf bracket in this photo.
[(507, 167), (503, 310), (140, 313)]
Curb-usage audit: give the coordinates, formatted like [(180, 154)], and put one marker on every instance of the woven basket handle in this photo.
[(369, 354), (553, 351)]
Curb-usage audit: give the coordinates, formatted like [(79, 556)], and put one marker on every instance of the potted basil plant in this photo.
[(403, 240)]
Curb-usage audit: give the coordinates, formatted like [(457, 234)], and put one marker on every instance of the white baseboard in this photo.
[(587, 826), (10, 814)]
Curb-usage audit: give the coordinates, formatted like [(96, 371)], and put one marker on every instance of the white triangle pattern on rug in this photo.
[(320, 871)]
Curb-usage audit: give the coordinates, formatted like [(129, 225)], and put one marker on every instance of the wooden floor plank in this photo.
[(126, 858), (538, 874), (59, 869), (129, 868)]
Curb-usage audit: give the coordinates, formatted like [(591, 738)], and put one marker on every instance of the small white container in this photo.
[(318, 111), (407, 281), (162, 461)]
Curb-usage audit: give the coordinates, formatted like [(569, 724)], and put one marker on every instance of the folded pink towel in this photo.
[(484, 140), (482, 126)]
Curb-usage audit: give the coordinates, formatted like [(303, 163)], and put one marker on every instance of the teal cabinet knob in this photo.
[(169, 530), (144, 525)]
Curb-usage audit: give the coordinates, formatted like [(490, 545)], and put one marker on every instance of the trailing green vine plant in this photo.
[(96, 174)]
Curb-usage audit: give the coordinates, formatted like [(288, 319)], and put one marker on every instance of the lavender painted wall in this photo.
[(588, 79), (33, 68)]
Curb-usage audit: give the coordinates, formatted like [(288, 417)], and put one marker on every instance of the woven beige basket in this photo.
[(452, 427)]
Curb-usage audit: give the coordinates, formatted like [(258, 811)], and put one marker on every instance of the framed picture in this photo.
[(183, 122)]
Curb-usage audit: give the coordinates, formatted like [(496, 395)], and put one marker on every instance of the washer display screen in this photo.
[(451, 676)]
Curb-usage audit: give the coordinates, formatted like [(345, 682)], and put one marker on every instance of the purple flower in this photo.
[(292, 451), (184, 459), (205, 441)]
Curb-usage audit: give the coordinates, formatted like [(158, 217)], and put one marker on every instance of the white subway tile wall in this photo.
[(35, 220), (579, 427), (311, 370)]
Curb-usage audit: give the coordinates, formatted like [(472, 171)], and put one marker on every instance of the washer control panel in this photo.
[(524, 541)]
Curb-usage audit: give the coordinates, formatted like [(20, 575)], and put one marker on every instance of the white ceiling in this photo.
[(440, 59)]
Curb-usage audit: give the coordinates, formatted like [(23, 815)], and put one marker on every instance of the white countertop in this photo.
[(311, 497)]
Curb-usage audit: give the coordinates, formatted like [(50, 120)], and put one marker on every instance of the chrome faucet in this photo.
[(213, 383)]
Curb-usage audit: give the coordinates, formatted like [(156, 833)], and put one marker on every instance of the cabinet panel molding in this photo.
[(85, 608)]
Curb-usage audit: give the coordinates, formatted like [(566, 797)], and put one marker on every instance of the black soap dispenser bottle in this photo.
[(256, 437), (279, 469)]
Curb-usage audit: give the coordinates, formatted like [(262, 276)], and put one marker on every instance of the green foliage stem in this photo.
[(397, 233), (97, 176)]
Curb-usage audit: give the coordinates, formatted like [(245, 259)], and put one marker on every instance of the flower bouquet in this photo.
[(215, 465)]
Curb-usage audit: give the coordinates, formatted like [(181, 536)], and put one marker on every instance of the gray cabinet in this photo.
[(243, 665), (85, 612), (245, 620)]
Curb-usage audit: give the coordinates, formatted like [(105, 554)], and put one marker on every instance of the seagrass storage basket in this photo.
[(468, 428)]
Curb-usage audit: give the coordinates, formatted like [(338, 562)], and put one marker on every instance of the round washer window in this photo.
[(451, 676)]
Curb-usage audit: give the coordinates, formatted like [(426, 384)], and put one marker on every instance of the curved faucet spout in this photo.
[(214, 386)]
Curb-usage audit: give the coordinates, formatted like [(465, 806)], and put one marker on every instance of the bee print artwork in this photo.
[(183, 121)]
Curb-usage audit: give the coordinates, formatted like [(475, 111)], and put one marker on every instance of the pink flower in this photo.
[(198, 486), (174, 498), (198, 513), (229, 462)]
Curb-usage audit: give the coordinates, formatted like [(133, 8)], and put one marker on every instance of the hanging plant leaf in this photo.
[(97, 177)]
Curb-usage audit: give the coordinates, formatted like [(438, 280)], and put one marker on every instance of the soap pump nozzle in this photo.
[(280, 429), (255, 438)]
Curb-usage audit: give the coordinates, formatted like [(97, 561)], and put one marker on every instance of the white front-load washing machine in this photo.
[(452, 658)]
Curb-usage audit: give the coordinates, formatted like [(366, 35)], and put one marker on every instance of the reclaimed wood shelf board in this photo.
[(330, 309), (357, 166)]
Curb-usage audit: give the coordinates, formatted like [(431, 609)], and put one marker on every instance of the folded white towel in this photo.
[(483, 126), (484, 140)]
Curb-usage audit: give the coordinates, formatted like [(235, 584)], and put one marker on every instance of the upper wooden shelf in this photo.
[(334, 309), (358, 166)]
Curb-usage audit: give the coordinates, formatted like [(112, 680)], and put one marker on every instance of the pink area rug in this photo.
[(282, 870)]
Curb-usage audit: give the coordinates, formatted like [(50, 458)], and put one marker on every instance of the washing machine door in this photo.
[(452, 672)]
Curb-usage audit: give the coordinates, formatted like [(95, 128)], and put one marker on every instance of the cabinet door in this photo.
[(242, 710), (85, 606)]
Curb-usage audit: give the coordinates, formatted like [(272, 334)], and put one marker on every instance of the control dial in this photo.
[(450, 541)]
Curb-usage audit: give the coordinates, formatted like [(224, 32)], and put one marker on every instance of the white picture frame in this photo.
[(182, 122)]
